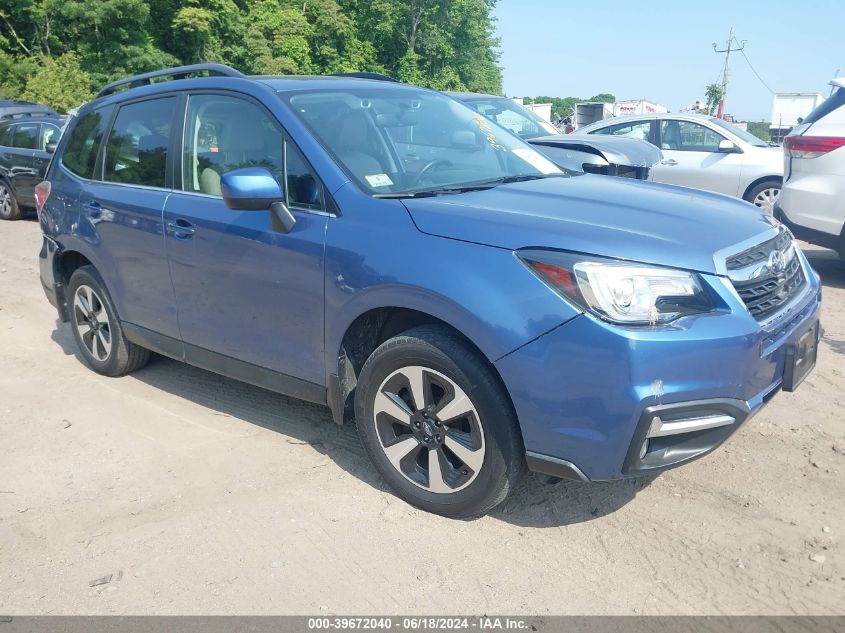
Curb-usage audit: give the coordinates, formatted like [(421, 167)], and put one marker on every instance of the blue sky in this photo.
[(663, 50)]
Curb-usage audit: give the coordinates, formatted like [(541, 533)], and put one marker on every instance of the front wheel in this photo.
[(438, 424)]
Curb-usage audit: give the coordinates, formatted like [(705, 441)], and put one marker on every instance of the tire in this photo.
[(96, 327), (765, 195), (9, 209), (469, 429)]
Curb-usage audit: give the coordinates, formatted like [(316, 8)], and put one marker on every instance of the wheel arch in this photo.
[(760, 181), (369, 329)]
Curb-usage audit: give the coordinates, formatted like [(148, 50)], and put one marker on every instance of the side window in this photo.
[(638, 130), (136, 152), (80, 153), (24, 135), (303, 187), (49, 134), (224, 133), (5, 135), (686, 136)]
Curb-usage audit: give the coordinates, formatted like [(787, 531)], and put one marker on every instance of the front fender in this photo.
[(377, 259)]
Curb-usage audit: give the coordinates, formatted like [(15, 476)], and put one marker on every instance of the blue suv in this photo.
[(387, 251)]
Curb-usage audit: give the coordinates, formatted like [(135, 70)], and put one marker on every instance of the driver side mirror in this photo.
[(255, 189), (50, 148), (728, 147)]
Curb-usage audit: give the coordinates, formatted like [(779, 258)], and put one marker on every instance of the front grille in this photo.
[(765, 296), (761, 252)]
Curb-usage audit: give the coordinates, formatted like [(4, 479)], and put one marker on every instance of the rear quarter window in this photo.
[(80, 155)]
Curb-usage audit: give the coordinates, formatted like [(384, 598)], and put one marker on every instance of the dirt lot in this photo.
[(201, 495)]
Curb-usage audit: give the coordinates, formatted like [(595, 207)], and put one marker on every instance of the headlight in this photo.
[(621, 292)]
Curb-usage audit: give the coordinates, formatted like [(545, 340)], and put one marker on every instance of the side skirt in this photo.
[(226, 365)]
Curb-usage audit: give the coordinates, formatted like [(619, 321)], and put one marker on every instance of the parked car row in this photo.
[(386, 251), (611, 157), (705, 152)]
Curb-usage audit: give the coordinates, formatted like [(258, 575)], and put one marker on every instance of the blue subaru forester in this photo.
[(387, 251)]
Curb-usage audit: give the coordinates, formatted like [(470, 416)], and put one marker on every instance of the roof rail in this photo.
[(179, 72), (24, 115), (368, 75)]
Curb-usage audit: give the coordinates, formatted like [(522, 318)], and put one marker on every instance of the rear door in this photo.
[(691, 158), (18, 159), (250, 298), (121, 213)]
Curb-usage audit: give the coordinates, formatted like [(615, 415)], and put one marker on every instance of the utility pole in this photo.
[(727, 51)]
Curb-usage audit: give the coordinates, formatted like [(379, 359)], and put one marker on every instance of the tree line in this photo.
[(60, 52)]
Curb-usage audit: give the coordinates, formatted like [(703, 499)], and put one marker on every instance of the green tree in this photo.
[(445, 44), (760, 129), (713, 95), (60, 83)]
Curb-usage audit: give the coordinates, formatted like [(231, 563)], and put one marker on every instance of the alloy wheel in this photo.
[(429, 429), (766, 199), (5, 201), (92, 322)]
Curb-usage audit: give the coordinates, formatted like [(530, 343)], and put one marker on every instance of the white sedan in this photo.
[(705, 153)]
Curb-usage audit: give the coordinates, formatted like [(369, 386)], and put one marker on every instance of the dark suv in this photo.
[(26, 146), (387, 251)]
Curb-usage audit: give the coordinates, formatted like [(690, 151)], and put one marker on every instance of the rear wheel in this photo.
[(9, 209), (437, 423), (96, 328), (765, 195)]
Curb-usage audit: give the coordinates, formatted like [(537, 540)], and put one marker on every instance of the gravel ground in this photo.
[(176, 491)]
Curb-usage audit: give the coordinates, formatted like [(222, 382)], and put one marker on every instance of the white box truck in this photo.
[(788, 108)]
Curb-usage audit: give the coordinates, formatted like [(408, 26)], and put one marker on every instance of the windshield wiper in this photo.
[(472, 186)]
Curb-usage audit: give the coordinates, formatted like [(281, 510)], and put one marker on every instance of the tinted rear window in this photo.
[(24, 135), (834, 101), (136, 152), (80, 154)]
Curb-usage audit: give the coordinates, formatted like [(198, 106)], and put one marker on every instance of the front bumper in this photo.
[(586, 393)]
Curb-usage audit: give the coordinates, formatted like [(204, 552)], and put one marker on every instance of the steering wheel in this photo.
[(428, 167)]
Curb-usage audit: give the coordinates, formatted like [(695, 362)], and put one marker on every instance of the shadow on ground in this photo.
[(534, 503), (827, 264)]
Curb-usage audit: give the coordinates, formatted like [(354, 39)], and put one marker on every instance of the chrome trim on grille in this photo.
[(766, 269)]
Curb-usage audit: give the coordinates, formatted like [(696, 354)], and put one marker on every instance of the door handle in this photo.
[(669, 161), (180, 229), (93, 208)]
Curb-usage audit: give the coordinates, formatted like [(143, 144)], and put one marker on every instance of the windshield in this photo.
[(402, 140), (748, 137), (513, 117)]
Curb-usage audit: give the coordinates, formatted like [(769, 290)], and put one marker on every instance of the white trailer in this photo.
[(637, 106), (788, 108), (586, 113), (590, 112)]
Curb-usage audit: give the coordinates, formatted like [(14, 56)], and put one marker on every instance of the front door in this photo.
[(691, 158), (244, 291)]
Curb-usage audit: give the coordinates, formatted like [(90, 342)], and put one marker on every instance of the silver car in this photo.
[(705, 153), (579, 152)]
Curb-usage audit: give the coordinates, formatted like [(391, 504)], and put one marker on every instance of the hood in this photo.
[(599, 215), (618, 150)]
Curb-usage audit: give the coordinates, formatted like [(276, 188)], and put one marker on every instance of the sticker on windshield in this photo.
[(536, 160), (379, 180)]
